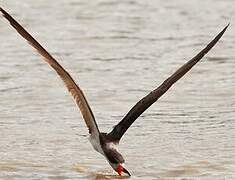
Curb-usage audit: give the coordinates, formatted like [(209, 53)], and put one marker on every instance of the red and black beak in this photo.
[(126, 172), (122, 170)]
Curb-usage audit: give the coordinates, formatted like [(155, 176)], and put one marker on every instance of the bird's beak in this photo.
[(126, 172), (122, 170)]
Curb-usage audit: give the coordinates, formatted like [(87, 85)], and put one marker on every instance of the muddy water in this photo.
[(118, 51)]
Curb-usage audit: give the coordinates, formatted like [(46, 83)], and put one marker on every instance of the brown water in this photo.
[(118, 51)]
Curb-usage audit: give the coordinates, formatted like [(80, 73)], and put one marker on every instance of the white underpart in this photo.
[(95, 141)]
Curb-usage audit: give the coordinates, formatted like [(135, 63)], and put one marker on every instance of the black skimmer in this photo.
[(105, 143)]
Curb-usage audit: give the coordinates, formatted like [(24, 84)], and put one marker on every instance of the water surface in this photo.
[(118, 51)]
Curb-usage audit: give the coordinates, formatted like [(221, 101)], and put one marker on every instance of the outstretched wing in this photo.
[(75, 91), (153, 96)]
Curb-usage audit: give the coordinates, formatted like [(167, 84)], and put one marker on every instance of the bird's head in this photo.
[(116, 160)]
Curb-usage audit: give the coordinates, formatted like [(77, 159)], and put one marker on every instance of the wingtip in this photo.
[(222, 32), (3, 12), (225, 28), (212, 43), (227, 25), (1, 9)]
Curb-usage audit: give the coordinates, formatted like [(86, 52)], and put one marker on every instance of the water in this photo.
[(118, 51)]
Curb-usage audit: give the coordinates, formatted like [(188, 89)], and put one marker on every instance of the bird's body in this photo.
[(106, 143), (95, 142)]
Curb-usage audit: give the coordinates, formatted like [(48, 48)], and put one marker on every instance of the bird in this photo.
[(106, 143)]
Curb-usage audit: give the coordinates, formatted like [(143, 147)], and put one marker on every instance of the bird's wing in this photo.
[(153, 96), (75, 91)]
